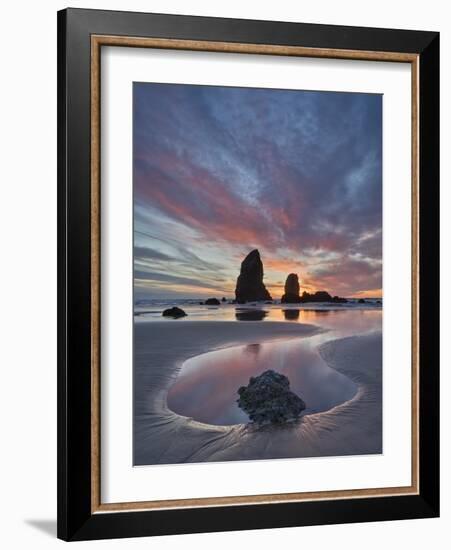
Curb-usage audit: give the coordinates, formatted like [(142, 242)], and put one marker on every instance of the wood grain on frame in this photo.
[(97, 41)]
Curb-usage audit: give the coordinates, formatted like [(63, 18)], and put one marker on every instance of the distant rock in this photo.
[(267, 399), (249, 285), (224, 299), (174, 312), (361, 301), (319, 296), (322, 296), (212, 302), (338, 300), (291, 295)]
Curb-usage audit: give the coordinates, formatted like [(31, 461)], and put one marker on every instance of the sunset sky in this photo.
[(220, 171)]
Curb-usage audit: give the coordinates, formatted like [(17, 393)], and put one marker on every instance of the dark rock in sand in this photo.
[(291, 295), (268, 399), (224, 299), (174, 312), (249, 285), (212, 302)]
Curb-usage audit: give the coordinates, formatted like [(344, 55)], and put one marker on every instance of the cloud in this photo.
[(142, 252), (175, 279), (296, 174)]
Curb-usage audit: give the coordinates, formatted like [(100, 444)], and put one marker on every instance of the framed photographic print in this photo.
[(248, 274)]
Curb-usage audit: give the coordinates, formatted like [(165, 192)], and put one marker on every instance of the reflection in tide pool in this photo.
[(206, 388), (250, 314)]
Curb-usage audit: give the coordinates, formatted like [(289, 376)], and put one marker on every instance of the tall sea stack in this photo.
[(249, 285), (291, 295)]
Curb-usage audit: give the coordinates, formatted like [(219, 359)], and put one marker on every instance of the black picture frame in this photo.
[(76, 521)]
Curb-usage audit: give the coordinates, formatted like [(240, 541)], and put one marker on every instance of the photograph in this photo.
[(257, 273)]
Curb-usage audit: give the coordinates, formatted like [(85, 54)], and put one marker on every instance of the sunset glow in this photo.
[(220, 171)]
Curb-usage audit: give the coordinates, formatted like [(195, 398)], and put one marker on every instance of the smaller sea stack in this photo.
[(291, 295)]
